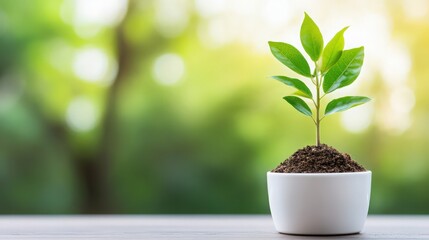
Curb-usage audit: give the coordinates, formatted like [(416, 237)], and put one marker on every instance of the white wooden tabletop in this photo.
[(190, 227)]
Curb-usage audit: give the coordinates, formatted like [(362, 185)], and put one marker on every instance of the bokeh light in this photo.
[(167, 106), (81, 114), (168, 69), (91, 64)]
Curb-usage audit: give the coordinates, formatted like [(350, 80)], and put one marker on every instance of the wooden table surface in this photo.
[(190, 227)]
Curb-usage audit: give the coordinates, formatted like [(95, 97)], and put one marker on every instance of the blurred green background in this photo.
[(166, 106)]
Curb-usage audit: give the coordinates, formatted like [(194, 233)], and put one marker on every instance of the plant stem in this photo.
[(318, 82)]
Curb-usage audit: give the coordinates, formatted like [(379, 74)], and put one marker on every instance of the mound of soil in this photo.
[(318, 159)]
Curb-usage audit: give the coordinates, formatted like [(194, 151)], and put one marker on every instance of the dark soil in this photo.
[(319, 159)]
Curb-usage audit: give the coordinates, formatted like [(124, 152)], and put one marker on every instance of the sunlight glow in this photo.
[(93, 65), (213, 34), (277, 13), (357, 119), (89, 16), (396, 68), (100, 12), (416, 9), (168, 69), (208, 8), (253, 23), (395, 114), (171, 17), (81, 114)]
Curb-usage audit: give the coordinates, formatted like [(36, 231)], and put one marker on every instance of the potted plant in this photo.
[(318, 190)]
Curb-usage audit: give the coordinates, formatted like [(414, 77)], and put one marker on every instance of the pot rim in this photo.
[(367, 172)]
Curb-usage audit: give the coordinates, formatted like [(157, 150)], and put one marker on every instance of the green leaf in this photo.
[(290, 57), (344, 103), (296, 83), (301, 94), (345, 71), (311, 38), (299, 105), (333, 50)]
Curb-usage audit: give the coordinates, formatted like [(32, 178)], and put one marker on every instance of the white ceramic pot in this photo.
[(319, 203)]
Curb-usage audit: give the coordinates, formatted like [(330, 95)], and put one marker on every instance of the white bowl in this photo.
[(319, 203)]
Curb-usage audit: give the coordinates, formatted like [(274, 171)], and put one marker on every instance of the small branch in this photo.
[(315, 104), (312, 118)]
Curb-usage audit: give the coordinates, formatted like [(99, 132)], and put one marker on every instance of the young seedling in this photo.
[(334, 68)]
